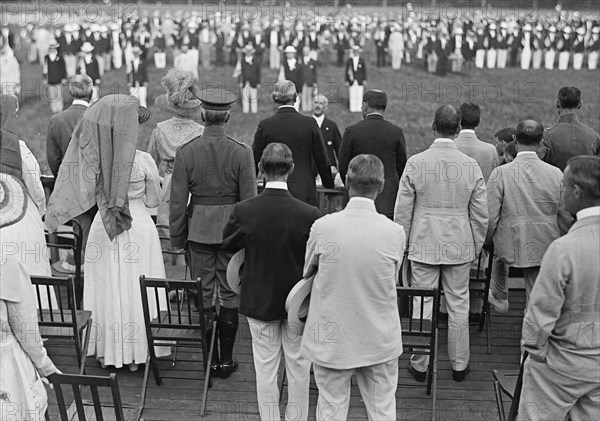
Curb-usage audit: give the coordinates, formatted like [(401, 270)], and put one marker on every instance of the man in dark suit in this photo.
[(273, 228), (88, 65), (304, 138), (378, 137), (356, 76), (569, 137), (329, 130), (137, 77), (217, 171), (309, 80), (292, 69), (54, 74)]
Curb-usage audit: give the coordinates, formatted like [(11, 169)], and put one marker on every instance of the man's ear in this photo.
[(579, 105), (228, 116), (557, 105), (434, 127)]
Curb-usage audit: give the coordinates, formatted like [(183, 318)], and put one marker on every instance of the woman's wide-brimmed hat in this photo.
[(144, 114), (13, 199), (181, 99), (298, 302), (234, 271)]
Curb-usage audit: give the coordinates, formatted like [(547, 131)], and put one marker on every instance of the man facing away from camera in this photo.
[(273, 228), (353, 325)]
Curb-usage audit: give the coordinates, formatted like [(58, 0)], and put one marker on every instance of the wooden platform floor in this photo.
[(235, 398)]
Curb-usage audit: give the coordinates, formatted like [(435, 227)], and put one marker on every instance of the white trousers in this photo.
[(117, 58), (396, 59), (501, 59), (577, 61), (548, 395), (549, 58), (525, 58), (307, 99), (55, 98), (160, 60), (95, 94), (377, 384), (455, 280), (563, 60), (268, 338), (491, 58), (249, 99), (140, 92), (100, 60), (479, 58), (274, 57), (355, 92), (593, 60), (536, 60), (70, 65)]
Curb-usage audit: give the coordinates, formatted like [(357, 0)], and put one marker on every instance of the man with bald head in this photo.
[(442, 205), (524, 199), (374, 135)]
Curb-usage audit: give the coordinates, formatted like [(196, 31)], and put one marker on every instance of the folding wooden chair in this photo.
[(65, 321), (420, 336), (70, 240), (173, 272), (509, 383), (81, 409), (180, 325), (483, 275)]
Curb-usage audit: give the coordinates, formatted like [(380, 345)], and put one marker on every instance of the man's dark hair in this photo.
[(506, 134), (447, 120), (569, 97), (584, 171), (470, 115), (365, 174), (511, 149), (375, 99), (215, 117), (529, 132), (276, 160)]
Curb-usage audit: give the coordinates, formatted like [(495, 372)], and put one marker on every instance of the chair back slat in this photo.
[(97, 402), (93, 382), (71, 241), (421, 327), (78, 402)]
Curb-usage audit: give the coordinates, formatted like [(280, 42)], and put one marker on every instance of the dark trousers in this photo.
[(209, 263)]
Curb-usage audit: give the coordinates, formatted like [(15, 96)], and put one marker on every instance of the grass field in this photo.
[(505, 96)]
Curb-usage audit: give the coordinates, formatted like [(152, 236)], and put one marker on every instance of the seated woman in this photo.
[(23, 359)]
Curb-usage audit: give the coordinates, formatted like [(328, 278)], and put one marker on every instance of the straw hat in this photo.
[(13, 199), (249, 49), (144, 114), (234, 271), (181, 98), (298, 302), (87, 47), (290, 49)]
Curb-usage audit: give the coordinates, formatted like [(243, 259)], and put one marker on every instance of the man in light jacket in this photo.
[(353, 324), (442, 205), (561, 329)]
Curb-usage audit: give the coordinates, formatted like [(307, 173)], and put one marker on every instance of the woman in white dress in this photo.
[(23, 359), (112, 271)]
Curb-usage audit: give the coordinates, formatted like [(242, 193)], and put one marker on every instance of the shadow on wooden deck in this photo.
[(235, 398)]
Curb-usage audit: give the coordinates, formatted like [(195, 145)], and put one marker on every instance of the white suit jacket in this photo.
[(562, 322), (353, 318), (484, 153), (524, 199), (442, 205)]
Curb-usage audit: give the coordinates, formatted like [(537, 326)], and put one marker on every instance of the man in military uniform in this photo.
[(218, 171)]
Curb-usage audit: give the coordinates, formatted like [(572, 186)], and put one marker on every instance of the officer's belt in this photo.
[(214, 200)]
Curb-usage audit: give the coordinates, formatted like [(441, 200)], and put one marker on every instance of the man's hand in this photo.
[(488, 246)]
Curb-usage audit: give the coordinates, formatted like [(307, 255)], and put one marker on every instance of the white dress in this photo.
[(112, 271)]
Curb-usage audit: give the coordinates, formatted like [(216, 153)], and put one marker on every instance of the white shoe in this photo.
[(500, 305)]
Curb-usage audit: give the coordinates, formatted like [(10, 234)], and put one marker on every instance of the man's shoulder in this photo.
[(329, 122)]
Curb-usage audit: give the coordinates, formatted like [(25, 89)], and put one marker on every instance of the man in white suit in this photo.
[(353, 323), (442, 206), (561, 329), (524, 198)]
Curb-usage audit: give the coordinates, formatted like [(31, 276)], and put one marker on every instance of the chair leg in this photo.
[(145, 381), (86, 344), (207, 374), (499, 403), (154, 367), (487, 332)]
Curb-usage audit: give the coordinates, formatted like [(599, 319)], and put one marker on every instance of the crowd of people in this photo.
[(531, 200), (296, 47)]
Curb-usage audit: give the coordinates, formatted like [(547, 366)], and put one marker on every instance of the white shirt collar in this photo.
[(374, 113), (443, 140), (280, 185), (526, 153), (319, 119), (470, 131), (587, 212), (286, 106), (80, 102), (362, 199)]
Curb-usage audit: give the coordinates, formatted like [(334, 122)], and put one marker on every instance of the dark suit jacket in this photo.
[(359, 75), (309, 72), (304, 138), (273, 228), (91, 69), (251, 73), (333, 140), (56, 70), (60, 130), (385, 140), (140, 76)]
